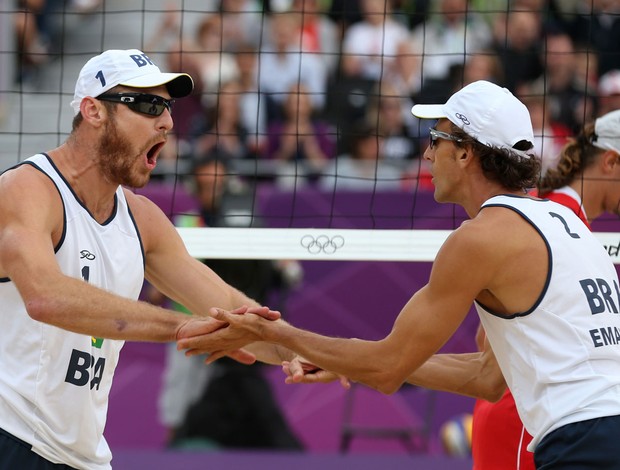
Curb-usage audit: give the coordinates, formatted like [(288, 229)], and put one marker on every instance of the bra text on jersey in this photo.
[(84, 368), (602, 298)]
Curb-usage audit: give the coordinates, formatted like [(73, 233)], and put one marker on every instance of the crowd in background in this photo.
[(320, 91)]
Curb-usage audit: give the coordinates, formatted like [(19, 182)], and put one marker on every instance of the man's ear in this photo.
[(610, 161), (93, 111), (465, 154)]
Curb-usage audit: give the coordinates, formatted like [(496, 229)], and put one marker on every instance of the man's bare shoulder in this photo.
[(23, 173), (31, 213), (493, 222), (137, 202), (25, 185), (495, 229)]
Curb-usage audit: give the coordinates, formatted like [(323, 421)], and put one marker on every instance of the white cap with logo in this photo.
[(131, 68), (487, 112), (607, 130)]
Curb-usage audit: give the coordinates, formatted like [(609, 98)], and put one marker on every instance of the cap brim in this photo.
[(608, 146), (178, 84), (428, 111)]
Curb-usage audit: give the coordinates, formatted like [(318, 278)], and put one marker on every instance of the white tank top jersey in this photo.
[(54, 384), (561, 358)]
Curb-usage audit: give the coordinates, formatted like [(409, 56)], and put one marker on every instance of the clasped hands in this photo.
[(226, 333)]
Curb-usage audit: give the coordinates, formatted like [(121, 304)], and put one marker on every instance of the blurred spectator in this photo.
[(363, 168), (517, 42), (225, 404), (167, 35), (551, 11), (300, 136), (37, 31), (483, 65), (596, 24), (242, 23), (253, 106), (216, 67), (222, 129), (347, 102), (586, 177), (586, 69), (200, 54), (319, 33), (443, 41), (31, 43), (175, 157), (283, 65), (375, 48), (390, 113), (549, 135), (567, 101), (370, 47), (609, 92)]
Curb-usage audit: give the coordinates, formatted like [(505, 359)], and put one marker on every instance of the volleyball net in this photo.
[(307, 104)]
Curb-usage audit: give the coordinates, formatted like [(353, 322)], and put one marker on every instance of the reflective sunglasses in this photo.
[(435, 134), (151, 105)]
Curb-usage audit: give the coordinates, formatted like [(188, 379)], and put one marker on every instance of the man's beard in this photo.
[(117, 158)]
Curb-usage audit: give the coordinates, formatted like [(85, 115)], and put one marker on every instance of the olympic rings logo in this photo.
[(463, 118), (322, 244)]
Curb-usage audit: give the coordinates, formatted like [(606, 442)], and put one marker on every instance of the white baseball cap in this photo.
[(607, 130), (131, 68), (487, 112), (609, 83)]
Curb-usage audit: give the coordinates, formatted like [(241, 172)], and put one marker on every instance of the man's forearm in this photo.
[(471, 374), (367, 362), (86, 309)]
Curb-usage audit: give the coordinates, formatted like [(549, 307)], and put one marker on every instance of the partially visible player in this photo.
[(586, 180), (587, 176), (544, 288), (75, 248)]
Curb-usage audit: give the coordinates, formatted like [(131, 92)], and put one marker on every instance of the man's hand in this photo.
[(199, 327), (224, 336), (301, 371)]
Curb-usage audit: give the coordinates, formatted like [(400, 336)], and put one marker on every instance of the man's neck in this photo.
[(85, 179)]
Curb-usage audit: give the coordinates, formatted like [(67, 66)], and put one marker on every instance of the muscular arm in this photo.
[(425, 323), (31, 222), (474, 375), (507, 277)]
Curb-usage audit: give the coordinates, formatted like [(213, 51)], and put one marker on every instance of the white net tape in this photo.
[(330, 244)]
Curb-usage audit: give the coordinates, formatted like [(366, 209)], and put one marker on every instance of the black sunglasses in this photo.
[(152, 105), (435, 134)]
